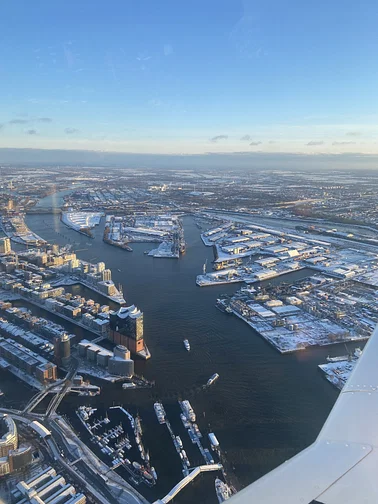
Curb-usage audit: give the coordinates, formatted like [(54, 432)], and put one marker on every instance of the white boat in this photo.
[(212, 379), (160, 412), (223, 491), (188, 411), (187, 345)]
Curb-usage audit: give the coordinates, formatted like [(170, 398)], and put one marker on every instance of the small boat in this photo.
[(212, 379), (187, 345)]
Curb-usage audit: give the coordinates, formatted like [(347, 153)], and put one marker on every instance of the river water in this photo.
[(264, 408)]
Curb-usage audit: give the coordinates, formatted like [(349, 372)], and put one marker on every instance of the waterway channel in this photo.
[(264, 408)]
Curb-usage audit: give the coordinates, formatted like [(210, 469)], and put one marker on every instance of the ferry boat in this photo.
[(187, 345), (212, 379), (160, 412), (222, 490)]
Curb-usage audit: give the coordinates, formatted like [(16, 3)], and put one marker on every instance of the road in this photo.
[(53, 406)]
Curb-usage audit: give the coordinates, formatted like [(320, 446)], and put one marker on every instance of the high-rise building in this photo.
[(106, 275), (62, 349), (5, 246), (100, 267), (126, 328), (9, 436), (84, 267)]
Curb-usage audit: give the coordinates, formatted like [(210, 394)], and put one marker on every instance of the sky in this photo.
[(189, 76)]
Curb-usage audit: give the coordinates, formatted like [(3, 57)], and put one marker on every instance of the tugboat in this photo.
[(187, 345)]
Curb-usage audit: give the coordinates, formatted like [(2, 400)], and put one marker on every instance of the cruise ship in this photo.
[(212, 379), (223, 490), (187, 345), (160, 412)]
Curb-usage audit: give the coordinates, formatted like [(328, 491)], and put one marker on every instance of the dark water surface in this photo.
[(264, 408)]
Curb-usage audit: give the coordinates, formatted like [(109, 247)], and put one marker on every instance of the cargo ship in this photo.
[(222, 490), (212, 379), (187, 345), (160, 412)]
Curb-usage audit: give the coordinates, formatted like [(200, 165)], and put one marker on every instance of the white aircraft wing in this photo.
[(341, 466)]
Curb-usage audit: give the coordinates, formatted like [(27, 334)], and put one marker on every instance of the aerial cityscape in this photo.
[(188, 252), (107, 345)]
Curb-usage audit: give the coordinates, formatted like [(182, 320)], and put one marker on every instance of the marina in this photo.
[(120, 443)]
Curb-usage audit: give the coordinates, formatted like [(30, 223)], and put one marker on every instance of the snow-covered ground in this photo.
[(338, 372), (252, 274), (370, 278), (301, 330), (164, 250), (81, 220)]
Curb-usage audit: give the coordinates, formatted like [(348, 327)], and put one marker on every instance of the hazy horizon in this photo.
[(236, 160)]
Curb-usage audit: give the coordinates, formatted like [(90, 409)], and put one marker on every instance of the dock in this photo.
[(185, 481)]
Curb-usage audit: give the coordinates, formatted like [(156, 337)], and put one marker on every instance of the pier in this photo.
[(185, 469), (185, 481)]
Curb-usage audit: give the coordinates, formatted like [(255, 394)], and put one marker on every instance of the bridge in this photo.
[(37, 398), (185, 481), (57, 399)]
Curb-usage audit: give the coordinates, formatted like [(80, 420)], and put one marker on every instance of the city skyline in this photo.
[(172, 79)]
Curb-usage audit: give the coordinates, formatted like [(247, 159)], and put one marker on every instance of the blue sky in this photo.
[(189, 76)]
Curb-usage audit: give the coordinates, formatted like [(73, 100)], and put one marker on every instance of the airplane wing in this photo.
[(341, 466)]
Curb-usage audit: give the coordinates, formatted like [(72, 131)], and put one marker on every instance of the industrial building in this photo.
[(47, 487), (120, 363), (117, 362)]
